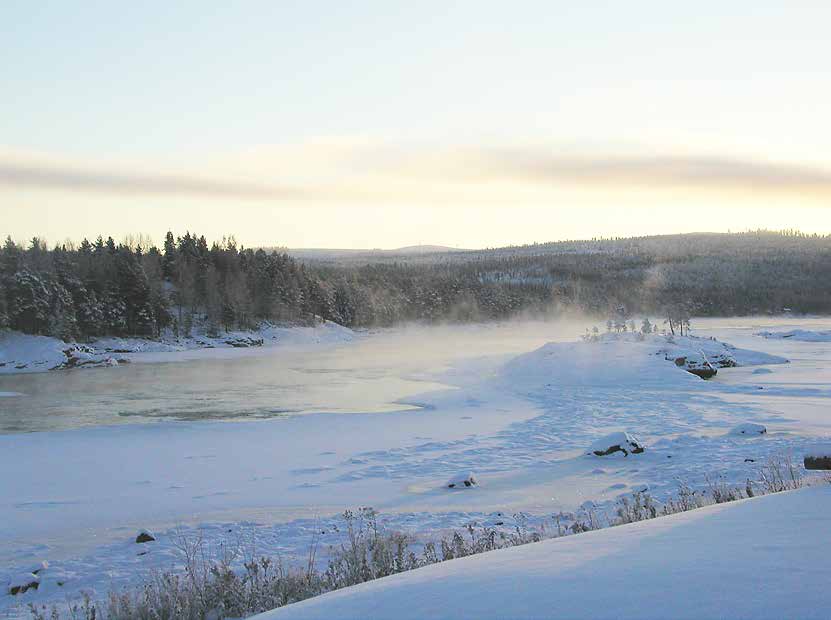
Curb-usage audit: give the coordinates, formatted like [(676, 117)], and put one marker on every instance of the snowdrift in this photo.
[(758, 558), (619, 359), (802, 335)]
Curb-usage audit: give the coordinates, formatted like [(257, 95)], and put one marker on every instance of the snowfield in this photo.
[(802, 335), (522, 424), (765, 557), (22, 353)]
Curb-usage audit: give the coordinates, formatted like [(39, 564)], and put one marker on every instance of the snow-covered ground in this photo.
[(765, 557), (521, 424), (804, 335), (21, 353)]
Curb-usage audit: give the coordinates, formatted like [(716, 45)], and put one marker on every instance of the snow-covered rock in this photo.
[(716, 353), (817, 462), (40, 567), (762, 371), (461, 481), (23, 353), (750, 429), (21, 582), (616, 442), (145, 536), (696, 363)]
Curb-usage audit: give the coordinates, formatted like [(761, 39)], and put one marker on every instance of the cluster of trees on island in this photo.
[(136, 288)]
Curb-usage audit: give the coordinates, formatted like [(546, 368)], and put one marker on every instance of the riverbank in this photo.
[(23, 353)]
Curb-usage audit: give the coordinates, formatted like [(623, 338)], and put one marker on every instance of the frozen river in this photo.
[(281, 440), (376, 373)]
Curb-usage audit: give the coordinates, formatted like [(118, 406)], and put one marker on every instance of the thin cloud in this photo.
[(33, 176), (369, 172), (704, 172)]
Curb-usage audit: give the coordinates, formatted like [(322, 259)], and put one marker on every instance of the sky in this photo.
[(384, 124)]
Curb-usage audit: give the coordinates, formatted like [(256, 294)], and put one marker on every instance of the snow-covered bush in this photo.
[(640, 508), (721, 492), (780, 474)]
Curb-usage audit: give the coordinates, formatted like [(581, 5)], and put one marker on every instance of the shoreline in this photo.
[(27, 354)]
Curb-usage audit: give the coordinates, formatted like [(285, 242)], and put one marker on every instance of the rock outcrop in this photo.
[(616, 442), (462, 481)]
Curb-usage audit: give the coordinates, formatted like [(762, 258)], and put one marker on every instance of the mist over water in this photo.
[(381, 371), (378, 373)]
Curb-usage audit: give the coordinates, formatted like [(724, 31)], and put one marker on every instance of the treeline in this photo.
[(136, 288), (104, 288)]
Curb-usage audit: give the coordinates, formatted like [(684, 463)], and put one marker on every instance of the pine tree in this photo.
[(169, 260), (28, 301), (62, 322), (4, 315), (10, 258)]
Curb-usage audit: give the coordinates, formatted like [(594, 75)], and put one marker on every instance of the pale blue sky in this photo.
[(192, 89)]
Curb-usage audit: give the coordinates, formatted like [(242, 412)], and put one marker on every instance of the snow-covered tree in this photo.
[(28, 302)]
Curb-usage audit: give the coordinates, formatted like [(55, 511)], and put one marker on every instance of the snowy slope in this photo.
[(761, 558)]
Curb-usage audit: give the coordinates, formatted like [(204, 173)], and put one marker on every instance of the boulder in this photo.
[(462, 481), (697, 365), (616, 442), (145, 536), (749, 429), (818, 458), (19, 584), (818, 462)]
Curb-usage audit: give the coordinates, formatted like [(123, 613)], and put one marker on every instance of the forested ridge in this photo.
[(135, 288)]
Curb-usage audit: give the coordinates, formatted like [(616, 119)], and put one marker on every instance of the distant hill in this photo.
[(658, 247), (335, 254)]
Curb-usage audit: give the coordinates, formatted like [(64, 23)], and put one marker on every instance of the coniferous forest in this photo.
[(136, 288)]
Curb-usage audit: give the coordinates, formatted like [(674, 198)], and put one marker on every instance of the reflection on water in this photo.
[(373, 374)]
